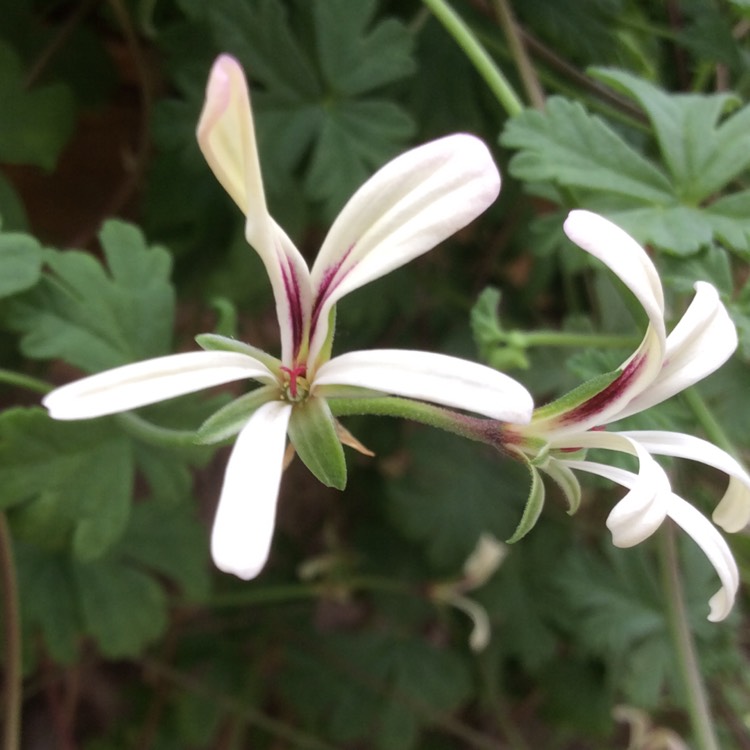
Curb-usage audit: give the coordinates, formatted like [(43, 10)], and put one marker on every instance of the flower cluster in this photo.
[(560, 432), (408, 207), (404, 210)]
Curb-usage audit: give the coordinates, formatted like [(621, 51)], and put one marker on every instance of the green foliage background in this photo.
[(117, 244)]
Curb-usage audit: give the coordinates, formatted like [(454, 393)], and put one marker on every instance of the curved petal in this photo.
[(226, 136), (644, 507), (700, 343), (147, 382), (696, 525), (715, 548), (624, 257), (733, 511), (635, 376), (410, 205), (244, 521), (437, 378)]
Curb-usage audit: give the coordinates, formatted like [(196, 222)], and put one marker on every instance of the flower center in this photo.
[(295, 387)]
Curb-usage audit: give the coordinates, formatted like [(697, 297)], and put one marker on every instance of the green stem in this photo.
[(524, 340), (19, 380), (13, 669), (237, 707), (687, 658), (152, 434), (296, 591), (518, 52), (472, 428), (478, 56), (711, 426)]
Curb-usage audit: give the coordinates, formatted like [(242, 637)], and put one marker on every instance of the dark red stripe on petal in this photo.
[(598, 403), (296, 318), (327, 287)]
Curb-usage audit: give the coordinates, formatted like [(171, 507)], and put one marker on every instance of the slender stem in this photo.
[(295, 591), (711, 426), (12, 617), (478, 55), (473, 428), (526, 340), (58, 42), (19, 380), (687, 658), (237, 707), (153, 434), (518, 52), (498, 706)]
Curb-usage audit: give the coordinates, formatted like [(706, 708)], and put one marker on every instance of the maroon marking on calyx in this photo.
[(599, 401)]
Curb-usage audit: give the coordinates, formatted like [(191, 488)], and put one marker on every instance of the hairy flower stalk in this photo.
[(556, 439), (404, 210)]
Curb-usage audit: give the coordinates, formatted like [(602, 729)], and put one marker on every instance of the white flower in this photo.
[(480, 566), (662, 366), (405, 209)]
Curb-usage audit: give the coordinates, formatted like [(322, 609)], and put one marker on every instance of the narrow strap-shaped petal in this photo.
[(715, 548), (405, 209), (693, 523), (644, 507), (437, 378), (244, 521), (226, 136), (700, 343), (624, 257), (733, 511), (150, 381)]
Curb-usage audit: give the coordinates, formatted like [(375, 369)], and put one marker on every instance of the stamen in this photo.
[(300, 371)]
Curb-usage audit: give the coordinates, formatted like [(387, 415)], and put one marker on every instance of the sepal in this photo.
[(214, 342), (312, 430), (575, 398), (534, 505), (230, 419), (567, 481)]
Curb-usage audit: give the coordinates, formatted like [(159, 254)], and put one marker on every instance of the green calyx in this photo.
[(312, 430), (576, 397), (230, 419), (215, 342), (534, 504)]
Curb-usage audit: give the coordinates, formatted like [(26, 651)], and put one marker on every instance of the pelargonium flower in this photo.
[(560, 432), (404, 210)]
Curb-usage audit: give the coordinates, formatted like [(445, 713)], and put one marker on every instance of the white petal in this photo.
[(153, 380), (716, 550), (624, 257), (243, 526), (410, 205), (644, 507), (696, 525), (637, 374), (701, 342), (438, 378), (226, 135), (733, 511)]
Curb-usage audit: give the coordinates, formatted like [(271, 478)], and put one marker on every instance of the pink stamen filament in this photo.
[(294, 372)]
